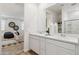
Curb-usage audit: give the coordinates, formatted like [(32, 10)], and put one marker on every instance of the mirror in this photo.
[(54, 18), (63, 18)]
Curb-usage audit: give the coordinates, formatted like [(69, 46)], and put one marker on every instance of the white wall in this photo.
[(30, 23)]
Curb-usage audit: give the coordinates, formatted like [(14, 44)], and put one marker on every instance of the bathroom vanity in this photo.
[(53, 45), (60, 18)]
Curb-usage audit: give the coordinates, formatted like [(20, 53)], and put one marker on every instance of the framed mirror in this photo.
[(54, 18)]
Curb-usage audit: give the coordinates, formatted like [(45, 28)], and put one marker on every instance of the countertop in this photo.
[(58, 37)]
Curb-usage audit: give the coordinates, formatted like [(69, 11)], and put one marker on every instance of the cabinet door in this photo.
[(42, 46), (52, 49), (34, 44)]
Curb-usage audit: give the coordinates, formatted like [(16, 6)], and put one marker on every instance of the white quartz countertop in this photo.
[(72, 40)]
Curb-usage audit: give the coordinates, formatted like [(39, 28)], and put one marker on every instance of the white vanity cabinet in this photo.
[(34, 43), (59, 48), (37, 44), (49, 45)]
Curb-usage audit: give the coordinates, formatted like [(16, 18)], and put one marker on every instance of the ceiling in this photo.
[(12, 9)]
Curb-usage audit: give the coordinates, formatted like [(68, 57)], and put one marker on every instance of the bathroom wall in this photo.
[(29, 22)]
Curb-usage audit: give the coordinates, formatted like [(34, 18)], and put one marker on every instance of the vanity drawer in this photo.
[(62, 44)]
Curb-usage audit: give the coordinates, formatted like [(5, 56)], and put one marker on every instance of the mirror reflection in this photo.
[(54, 19), (63, 18)]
